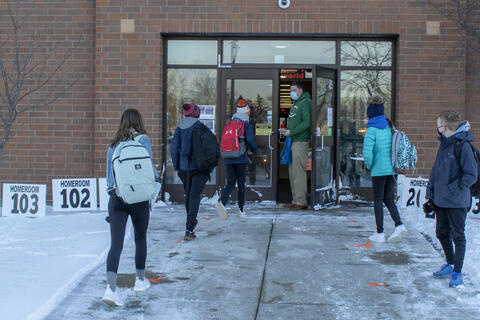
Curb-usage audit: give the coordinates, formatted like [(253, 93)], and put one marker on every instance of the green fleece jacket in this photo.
[(300, 119)]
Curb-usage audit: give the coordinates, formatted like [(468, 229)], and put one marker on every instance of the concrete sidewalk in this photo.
[(276, 264)]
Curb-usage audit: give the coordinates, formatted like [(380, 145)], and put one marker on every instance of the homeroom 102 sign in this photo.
[(74, 194)]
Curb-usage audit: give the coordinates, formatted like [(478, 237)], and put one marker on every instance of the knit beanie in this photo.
[(242, 106), (375, 108), (191, 110)]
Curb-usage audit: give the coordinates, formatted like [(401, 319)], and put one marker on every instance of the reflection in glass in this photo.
[(198, 86), (264, 51), (357, 87), (192, 52), (258, 95), (259, 170), (366, 53)]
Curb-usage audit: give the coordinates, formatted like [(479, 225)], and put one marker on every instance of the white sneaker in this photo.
[(141, 285), (112, 298), (222, 212), (397, 234), (377, 237), (242, 214)]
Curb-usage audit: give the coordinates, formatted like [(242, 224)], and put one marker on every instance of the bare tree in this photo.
[(25, 72), (462, 12)]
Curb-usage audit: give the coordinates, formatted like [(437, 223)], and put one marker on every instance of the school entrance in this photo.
[(340, 76)]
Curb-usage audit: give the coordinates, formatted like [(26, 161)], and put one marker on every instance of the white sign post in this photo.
[(102, 193), (24, 199), (74, 194)]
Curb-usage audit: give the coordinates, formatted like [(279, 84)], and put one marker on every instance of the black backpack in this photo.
[(205, 149), (475, 188)]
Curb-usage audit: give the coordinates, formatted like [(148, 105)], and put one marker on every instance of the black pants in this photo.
[(236, 173), (451, 226), (193, 184), (383, 187), (118, 213)]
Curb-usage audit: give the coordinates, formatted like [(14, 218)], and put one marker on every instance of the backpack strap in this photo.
[(457, 149)]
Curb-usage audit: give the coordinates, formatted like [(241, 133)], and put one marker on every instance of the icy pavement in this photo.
[(277, 264)]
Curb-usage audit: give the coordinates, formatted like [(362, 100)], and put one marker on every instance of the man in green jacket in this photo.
[(299, 128)]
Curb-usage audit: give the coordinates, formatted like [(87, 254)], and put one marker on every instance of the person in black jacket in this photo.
[(448, 191), (236, 168), (193, 180)]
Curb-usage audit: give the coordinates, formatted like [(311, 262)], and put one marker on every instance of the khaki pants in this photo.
[(297, 173)]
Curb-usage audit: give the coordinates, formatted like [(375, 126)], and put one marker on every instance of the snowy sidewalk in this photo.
[(277, 264), (42, 259)]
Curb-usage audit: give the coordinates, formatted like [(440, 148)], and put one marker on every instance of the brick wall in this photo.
[(55, 141), (127, 69)]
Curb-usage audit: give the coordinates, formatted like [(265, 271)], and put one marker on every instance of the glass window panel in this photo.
[(356, 89), (366, 53), (192, 52), (198, 86), (265, 51), (258, 95)]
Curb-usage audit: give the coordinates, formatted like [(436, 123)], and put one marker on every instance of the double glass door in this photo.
[(259, 89)]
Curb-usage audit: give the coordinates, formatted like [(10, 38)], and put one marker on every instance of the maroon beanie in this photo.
[(191, 110)]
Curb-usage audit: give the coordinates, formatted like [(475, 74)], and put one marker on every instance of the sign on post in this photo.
[(74, 194), (24, 199), (412, 193)]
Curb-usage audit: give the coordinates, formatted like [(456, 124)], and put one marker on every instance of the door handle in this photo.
[(269, 140)]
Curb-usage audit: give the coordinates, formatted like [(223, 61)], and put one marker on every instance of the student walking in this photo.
[(236, 168), (377, 150), (448, 191), (131, 128), (193, 180)]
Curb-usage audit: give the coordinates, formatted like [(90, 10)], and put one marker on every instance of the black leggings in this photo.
[(236, 173), (451, 226), (383, 193), (118, 213)]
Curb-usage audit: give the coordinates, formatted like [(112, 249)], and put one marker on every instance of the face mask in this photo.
[(293, 95)]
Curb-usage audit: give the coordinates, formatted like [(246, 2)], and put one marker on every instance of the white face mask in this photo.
[(293, 95)]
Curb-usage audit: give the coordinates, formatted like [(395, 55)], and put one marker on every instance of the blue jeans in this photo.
[(235, 173)]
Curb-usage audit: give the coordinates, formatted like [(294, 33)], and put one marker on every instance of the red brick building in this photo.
[(153, 54)]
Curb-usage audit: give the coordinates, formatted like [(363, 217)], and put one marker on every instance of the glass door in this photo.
[(259, 88), (324, 181)]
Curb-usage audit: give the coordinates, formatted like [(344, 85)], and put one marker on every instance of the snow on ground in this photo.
[(43, 259)]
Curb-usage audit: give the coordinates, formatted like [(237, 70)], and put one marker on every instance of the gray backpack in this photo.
[(133, 172)]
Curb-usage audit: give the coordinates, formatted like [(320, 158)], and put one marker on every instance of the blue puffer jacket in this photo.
[(249, 139), (377, 147), (181, 146), (450, 179)]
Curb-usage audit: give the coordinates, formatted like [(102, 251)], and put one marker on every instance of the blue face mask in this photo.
[(293, 95)]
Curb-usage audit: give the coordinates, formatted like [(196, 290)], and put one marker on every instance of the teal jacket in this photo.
[(377, 151)]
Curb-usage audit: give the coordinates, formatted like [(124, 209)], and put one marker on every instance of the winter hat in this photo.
[(375, 108), (242, 106), (191, 110)]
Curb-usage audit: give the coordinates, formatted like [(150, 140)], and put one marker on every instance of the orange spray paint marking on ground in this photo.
[(155, 281), (366, 245), (352, 221), (383, 284), (179, 241), (206, 218)]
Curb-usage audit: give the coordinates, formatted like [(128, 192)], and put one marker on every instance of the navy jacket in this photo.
[(249, 139), (181, 146), (450, 179)]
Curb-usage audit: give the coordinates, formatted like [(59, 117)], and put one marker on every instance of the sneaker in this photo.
[(457, 280), (399, 231), (377, 237), (445, 271), (189, 235), (112, 298), (241, 213), (141, 285), (222, 212)]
